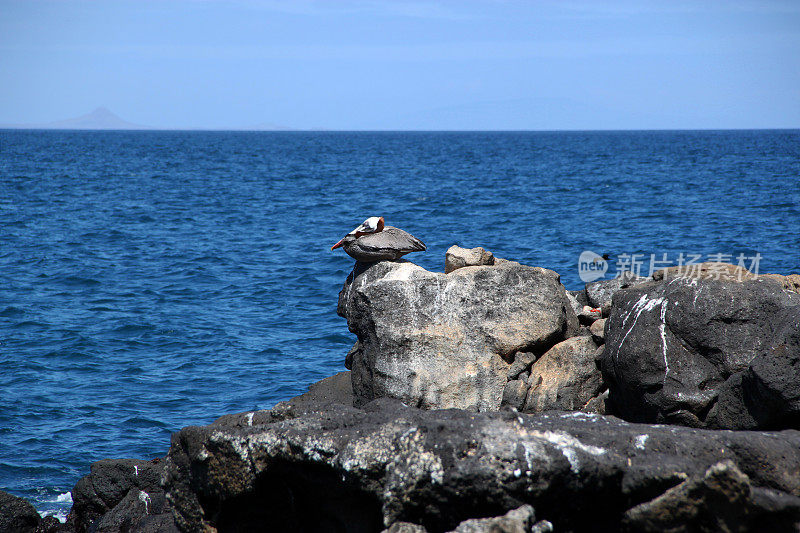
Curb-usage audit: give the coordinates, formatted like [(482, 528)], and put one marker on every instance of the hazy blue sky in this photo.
[(384, 64)]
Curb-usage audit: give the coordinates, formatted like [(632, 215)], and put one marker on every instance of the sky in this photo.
[(394, 65)]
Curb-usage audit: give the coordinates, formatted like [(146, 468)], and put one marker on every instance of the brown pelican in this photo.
[(373, 241)]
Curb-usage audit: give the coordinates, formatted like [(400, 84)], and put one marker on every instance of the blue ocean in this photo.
[(153, 280)]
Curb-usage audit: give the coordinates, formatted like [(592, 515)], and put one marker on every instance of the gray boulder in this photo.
[(597, 405), (302, 468), (565, 378), (574, 303), (522, 363), (705, 353), (515, 392), (578, 299), (457, 257), (597, 330), (405, 527), (437, 340), (767, 393)]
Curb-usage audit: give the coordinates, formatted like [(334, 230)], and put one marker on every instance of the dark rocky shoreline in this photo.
[(492, 399)]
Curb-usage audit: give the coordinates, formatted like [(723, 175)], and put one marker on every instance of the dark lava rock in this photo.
[(337, 388), (705, 353), (17, 514), (51, 524), (720, 500), (121, 495), (436, 340), (522, 363), (339, 468), (348, 359)]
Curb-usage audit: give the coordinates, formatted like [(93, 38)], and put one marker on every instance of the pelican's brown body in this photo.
[(373, 241)]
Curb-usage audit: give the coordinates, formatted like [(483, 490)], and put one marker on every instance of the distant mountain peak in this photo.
[(102, 111), (100, 118)]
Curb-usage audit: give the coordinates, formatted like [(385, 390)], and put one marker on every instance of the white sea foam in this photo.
[(60, 514)]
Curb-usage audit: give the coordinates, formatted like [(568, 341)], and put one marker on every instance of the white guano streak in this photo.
[(568, 445), (641, 305), (663, 329), (145, 499)]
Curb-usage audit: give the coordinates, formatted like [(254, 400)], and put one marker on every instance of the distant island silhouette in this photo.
[(99, 119), (104, 119)]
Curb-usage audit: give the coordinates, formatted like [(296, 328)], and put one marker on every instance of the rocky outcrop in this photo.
[(121, 495), (340, 468), (721, 350), (17, 514), (705, 352), (457, 257), (448, 340)]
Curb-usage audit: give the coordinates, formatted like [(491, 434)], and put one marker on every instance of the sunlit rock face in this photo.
[(435, 340)]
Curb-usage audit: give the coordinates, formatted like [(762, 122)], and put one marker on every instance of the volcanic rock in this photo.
[(17, 514), (517, 520), (710, 270), (706, 353), (337, 388), (306, 468), (121, 495), (522, 362)]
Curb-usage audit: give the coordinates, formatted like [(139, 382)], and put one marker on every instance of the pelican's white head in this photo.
[(371, 225)]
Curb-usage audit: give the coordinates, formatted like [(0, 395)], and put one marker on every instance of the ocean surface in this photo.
[(152, 280)]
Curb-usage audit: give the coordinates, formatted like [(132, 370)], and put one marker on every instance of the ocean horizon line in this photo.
[(325, 130)]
